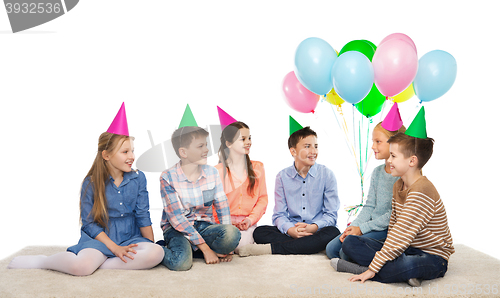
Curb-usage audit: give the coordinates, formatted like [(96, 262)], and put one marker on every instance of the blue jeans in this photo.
[(222, 239), (334, 248), (412, 263)]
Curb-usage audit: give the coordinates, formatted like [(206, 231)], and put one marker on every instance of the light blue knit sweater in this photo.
[(376, 212)]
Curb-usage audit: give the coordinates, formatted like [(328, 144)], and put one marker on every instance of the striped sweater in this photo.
[(418, 219)]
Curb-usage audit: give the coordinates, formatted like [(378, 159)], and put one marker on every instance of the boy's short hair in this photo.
[(183, 136), (409, 146), (295, 137)]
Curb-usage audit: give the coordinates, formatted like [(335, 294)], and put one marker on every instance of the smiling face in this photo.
[(122, 159), (242, 143), (196, 152), (305, 152), (398, 162), (380, 146)]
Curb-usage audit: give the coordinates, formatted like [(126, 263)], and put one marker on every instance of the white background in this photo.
[(62, 83)]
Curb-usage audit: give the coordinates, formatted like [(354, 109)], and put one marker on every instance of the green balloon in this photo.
[(372, 104), (370, 43), (361, 46)]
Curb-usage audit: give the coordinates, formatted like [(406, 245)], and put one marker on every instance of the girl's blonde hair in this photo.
[(389, 133), (99, 176)]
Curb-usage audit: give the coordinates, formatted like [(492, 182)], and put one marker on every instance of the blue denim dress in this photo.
[(128, 210)]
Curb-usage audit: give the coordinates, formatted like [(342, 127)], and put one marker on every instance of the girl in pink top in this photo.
[(243, 179)]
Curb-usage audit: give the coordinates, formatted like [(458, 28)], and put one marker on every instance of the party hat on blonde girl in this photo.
[(393, 122), (224, 118), (119, 125)]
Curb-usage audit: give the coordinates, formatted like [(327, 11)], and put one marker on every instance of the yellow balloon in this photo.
[(405, 95), (333, 98)]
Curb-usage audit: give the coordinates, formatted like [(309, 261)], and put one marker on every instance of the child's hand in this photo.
[(210, 257), (354, 231), (301, 225), (368, 274), (312, 228), (123, 251), (298, 231), (244, 224), (350, 231)]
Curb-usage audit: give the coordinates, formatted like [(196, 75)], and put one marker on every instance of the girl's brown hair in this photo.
[(99, 176), (229, 134)]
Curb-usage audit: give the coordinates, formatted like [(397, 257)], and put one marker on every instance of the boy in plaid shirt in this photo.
[(189, 189)]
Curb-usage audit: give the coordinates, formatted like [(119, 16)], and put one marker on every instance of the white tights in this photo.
[(89, 259)]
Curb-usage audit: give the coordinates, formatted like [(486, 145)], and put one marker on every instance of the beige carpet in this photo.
[(470, 274)]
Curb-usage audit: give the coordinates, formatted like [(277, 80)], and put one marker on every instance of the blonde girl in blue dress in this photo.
[(116, 228)]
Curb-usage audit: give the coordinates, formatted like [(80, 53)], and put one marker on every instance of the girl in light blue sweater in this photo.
[(373, 219)]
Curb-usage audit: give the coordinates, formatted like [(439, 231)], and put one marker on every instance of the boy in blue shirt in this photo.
[(306, 204)]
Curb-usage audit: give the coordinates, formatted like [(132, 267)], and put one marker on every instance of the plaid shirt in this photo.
[(185, 202)]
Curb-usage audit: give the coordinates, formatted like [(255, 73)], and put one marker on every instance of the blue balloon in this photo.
[(352, 76), (436, 74), (314, 59)]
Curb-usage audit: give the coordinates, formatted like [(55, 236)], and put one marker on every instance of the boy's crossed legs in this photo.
[(279, 243), (412, 263), (222, 239)]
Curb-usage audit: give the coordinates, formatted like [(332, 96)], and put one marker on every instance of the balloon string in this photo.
[(346, 132), (362, 163), (369, 157), (365, 155), (354, 130), (352, 145), (419, 105), (354, 138), (353, 210), (360, 157), (359, 143), (367, 142)]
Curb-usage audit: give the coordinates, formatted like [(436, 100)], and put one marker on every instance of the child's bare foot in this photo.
[(225, 258)]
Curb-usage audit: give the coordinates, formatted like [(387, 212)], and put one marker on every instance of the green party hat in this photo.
[(188, 118), (417, 127), (294, 125)]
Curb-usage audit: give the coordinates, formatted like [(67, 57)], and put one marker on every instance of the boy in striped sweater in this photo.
[(419, 242)]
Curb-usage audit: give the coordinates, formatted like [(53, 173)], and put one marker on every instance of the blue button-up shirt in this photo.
[(313, 200), (128, 207)]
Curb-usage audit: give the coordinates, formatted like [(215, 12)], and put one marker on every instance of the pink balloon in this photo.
[(395, 65), (400, 36), (297, 96)]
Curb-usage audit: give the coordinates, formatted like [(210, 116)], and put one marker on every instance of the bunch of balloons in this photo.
[(366, 75)]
